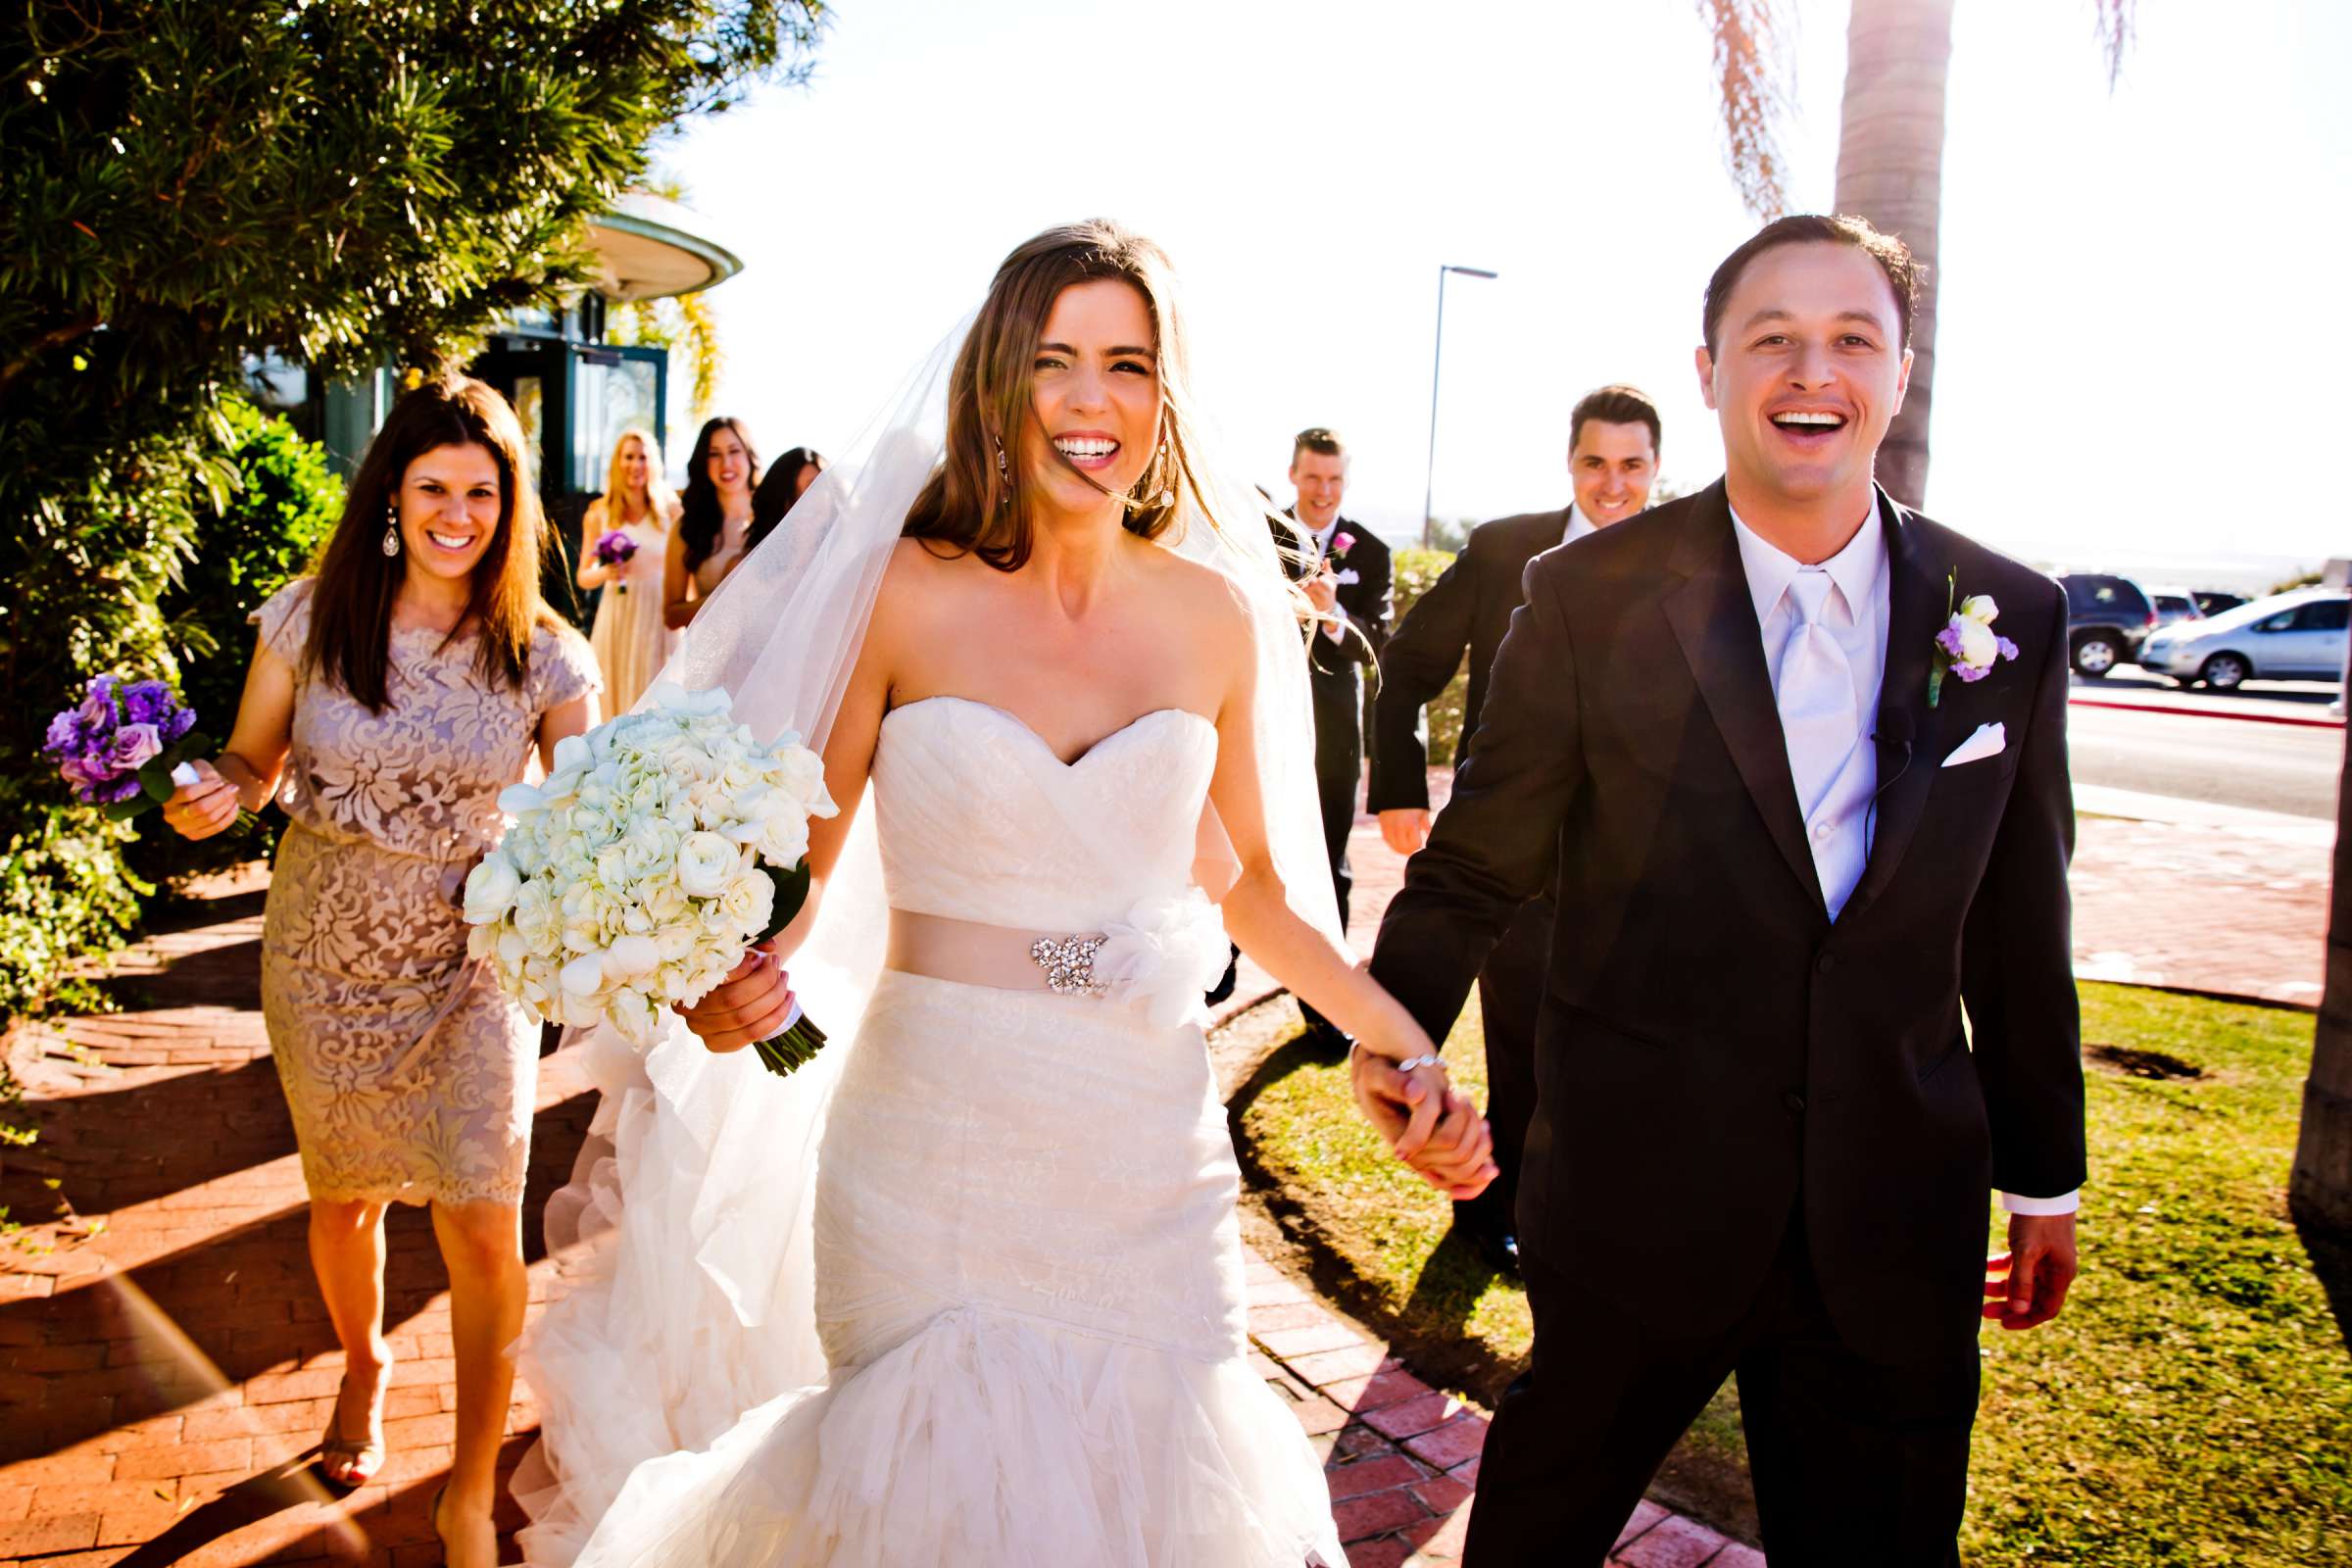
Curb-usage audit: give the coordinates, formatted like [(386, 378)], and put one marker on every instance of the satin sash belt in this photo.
[(971, 953)]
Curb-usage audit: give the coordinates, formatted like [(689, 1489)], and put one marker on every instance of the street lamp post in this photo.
[(1428, 481)]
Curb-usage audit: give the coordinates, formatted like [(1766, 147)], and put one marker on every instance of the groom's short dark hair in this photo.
[(1616, 404), (1808, 228)]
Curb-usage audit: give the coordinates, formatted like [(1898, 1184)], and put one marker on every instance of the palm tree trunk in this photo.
[(2320, 1191), (1891, 171)]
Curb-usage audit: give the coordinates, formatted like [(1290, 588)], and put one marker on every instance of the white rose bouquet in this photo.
[(664, 843)]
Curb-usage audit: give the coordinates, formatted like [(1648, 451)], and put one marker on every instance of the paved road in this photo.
[(2272, 767), (2281, 699)]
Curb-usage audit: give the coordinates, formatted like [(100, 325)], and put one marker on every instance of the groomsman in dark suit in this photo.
[(1344, 571), (1613, 439)]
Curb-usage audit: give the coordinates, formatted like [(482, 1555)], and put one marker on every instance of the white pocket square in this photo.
[(1349, 577), (1989, 740)]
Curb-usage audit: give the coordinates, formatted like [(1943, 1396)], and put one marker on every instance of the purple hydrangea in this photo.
[(615, 547), (101, 743)]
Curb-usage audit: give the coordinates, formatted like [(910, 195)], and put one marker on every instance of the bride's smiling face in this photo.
[(1095, 391)]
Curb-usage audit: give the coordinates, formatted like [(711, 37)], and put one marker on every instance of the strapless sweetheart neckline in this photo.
[(1030, 730)]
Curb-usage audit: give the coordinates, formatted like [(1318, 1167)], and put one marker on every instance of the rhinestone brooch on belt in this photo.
[(1069, 964)]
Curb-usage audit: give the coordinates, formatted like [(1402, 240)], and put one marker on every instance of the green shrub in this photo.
[(1413, 570)]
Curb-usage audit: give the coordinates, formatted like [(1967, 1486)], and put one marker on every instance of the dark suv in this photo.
[(2106, 620)]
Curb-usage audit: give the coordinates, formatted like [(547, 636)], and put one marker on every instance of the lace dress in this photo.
[(409, 1075), (1028, 1271)]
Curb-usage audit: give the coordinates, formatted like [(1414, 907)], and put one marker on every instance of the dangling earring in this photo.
[(391, 528), (1003, 473)]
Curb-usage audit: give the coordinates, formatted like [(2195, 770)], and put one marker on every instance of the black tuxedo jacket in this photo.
[(1711, 1047), (1333, 666), (1468, 607)]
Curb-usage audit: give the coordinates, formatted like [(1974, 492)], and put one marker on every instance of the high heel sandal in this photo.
[(347, 1463)]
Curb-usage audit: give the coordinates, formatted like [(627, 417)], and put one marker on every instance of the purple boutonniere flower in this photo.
[(1341, 544), (1967, 647)]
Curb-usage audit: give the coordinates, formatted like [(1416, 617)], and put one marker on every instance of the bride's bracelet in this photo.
[(1429, 1058)]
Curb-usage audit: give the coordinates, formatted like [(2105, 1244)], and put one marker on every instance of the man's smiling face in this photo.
[(1808, 369)]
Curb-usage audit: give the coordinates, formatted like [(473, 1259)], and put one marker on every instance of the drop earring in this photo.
[(1003, 473), (391, 529)]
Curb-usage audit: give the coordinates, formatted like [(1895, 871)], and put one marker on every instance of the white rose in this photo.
[(490, 889), (805, 778), (706, 862), (750, 902), (783, 840), (1977, 644), (1980, 609)]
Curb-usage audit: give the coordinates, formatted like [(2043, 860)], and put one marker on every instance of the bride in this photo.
[(969, 1289)]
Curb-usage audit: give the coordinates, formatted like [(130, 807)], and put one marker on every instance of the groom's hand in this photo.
[(2024, 1287), (1425, 1123)]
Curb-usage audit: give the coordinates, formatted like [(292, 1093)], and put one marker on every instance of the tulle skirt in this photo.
[(1029, 1296)]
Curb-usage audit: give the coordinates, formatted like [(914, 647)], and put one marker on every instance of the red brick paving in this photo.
[(165, 1365)]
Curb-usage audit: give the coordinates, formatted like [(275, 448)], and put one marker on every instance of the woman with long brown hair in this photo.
[(715, 519), (392, 696), (1059, 649)]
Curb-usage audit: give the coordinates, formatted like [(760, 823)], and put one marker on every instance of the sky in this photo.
[(2125, 274)]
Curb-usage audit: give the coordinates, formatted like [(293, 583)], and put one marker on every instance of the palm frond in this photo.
[(1752, 77)]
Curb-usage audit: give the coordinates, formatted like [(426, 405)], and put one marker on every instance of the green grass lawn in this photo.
[(2193, 1405)]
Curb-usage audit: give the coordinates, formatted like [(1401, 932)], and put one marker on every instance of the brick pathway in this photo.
[(165, 1367), (164, 1363)]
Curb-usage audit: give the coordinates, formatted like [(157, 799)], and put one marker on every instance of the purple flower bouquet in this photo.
[(120, 745), (616, 549)]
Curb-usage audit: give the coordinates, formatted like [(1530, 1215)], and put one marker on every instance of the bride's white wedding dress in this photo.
[(1028, 1268)]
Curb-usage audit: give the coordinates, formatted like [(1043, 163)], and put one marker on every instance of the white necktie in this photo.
[(1815, 690)]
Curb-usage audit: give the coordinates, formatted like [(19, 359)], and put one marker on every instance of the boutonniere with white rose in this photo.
[(1967, 647), (664, 843)]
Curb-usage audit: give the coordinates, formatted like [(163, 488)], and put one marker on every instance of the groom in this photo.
[(1794, 838)]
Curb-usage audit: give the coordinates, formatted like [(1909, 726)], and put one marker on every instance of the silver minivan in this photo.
[(2291, 636)]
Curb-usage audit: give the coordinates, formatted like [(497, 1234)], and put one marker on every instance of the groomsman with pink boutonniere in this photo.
[(1344, 569)]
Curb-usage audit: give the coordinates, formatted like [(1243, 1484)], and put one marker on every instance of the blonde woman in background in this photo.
[(630, 637)]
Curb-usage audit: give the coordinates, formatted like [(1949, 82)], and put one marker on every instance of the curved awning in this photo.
[(648, 248)]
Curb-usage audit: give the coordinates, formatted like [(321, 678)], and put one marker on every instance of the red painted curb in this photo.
[(2206, 712)]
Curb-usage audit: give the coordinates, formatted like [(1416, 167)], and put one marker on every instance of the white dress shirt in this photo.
[(1578, 525), (1840, 824)]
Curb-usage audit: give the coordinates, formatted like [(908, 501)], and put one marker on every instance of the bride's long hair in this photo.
[(972, 506)]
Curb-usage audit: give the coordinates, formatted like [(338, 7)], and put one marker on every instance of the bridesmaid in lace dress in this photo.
[(629, 638), (715, 527), (391, 697)]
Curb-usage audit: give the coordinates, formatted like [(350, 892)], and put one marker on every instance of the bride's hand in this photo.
[(1424, 1122), (751, 1005)]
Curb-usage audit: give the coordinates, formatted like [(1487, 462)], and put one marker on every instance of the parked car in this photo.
[(2213, 604), (2175, 605), (2290, 636), (2106, 618)]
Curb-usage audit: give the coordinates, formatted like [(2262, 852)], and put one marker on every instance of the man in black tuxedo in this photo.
[(1800, 817), (1613, 439), (1344, 569)]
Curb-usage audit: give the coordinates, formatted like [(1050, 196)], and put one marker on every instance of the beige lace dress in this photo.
[(409, 1075)]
